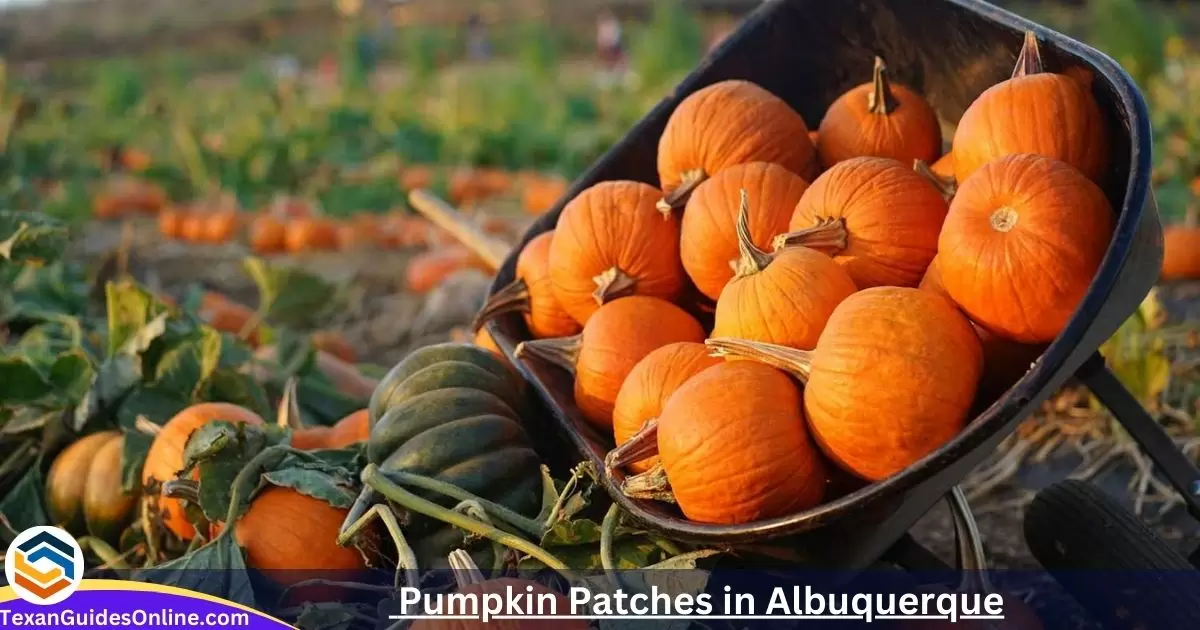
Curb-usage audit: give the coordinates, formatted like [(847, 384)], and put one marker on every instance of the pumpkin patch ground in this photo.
[(305, 377)]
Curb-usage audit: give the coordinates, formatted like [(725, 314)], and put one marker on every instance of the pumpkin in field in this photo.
[(876, 217), (268, 234), (617, 336), (879, 119), (164, 460), (170, 222), (612, 242), (540, 192), (452, 412), (782, 298), (427, 270), (306, 234), (1181, 250), (891, 379), (192, 227), (334, 343), (1023, 239), (708, 243), (126, 196), (352, 429), (292, 537), (220, 226), (1035, 111), (735, 448), (647, 389), (532, 294), (357, 233), (728, 123), (225, 315), (83, 487)]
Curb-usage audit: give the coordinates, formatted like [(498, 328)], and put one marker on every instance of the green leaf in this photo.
[(28, 236), (217, 569), (290, 296), (23, 506), (115, 379), (220, 450), (187, 366), (227, 385), (131, 311), (136, 446), (318, 484), (156, 405), (577, 542)]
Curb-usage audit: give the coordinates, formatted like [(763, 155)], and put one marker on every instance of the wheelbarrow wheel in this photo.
[(1110, 561)]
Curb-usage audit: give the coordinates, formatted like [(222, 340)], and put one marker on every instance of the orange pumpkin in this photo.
[(170, 222), (708, 243), (484, 340), (225, 315), (192, 229), (532, 294), (164, 460), (891, 379), (220, 226), (648, 387), (348, 431), (1181, 252), (539, 192), (879, 119), (346, 378), (877, 217), (735, 448), (611, 242), (334, 343), (356, 234), (268, 234), (617, 336), (944, 166), (415, 177), (310, 234), (728, 123), (1033, 112), (782, 298), (1023, 239), (427, 270)]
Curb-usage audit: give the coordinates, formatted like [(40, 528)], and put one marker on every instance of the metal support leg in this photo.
[(1149, 434)]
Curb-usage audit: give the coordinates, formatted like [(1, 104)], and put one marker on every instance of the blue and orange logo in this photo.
[(44, 565)]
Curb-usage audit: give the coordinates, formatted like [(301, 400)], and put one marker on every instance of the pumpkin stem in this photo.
[(881, 101), (611, 284), (642, 445), (794, 361), (186, 489), (753, 259), (1030, 59), (828, 236), (1004, 219), (678, 198), (146, 426), (513, 298), (563, 351), (652, 484), (466, 572), (972, 560), (945, 185), (288, 416)]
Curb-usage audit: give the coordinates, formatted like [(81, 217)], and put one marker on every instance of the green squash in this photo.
[(451, 412)]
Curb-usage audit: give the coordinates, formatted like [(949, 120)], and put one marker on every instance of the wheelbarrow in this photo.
[(808, 52)]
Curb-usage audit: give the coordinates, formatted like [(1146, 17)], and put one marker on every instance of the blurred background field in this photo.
[(171, 134)]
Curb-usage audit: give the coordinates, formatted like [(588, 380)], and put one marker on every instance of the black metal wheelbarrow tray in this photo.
[(808, 52)]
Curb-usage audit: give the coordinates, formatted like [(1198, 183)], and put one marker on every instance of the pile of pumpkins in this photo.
[(865, 290)]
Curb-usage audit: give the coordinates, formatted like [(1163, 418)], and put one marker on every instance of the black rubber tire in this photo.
[(1110, 561)]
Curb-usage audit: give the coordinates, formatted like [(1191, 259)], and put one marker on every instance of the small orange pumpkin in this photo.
[(1023, 239), (220, 226), (1181, 250), (170, 222), (312, 233), (708, 243), (532, 294), (427, 270), (648, 387), (877, 217), (164, 460), (783, 298), (611, 242), (225, 315), (891, 379), (348, 431), (1035, 111), (334, 343), (879, 119), (268, 234), (614, 339), (192, 228), (540, 192), (727, 123)]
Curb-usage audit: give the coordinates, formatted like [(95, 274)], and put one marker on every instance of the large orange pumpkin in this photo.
[(164, 460), (877, 217), (708, 243), (891, 380), (879, 119), (1033, 112), (617, 336), (1023, 239), (735, 448), (532, 293), (649, 386), (782, 298), (611, 242), (728, 123)]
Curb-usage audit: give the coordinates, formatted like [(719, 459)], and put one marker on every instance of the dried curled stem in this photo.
[(1029, 61), (794, 361), (563, 351), (513, 298), (678, 198), (752, 259), (828, 236), (945, 185), (881, 101), (611, 284)]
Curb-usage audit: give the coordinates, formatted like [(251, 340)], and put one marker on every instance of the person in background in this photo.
[(610, 42), (478, 46)]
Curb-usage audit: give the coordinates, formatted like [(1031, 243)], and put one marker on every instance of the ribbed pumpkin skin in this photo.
[(787, 303), (708, 242), (1023, 280), (728, 123), (647, 388), (892, 216), (500, 587), (735, 448), (293, 537), (546, 316), (614, 224), (617, 337), (1181, 253), (1047, 114), (908, 132), (165, 457), (893, 378)]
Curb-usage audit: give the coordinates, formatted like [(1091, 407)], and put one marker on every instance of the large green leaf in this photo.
[(23, 506), (187, 366), (133, 457), (290, 296), (217, 569), (220, 450), (131, 311)]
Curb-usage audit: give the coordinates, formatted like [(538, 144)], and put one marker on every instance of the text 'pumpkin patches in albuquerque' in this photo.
[(611, 242), (616, 337)]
